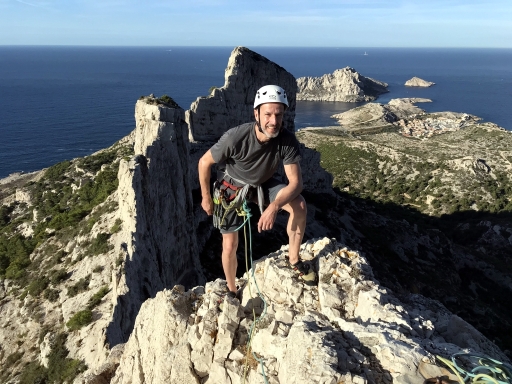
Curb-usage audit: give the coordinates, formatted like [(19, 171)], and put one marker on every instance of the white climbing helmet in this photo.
[(270, 94)]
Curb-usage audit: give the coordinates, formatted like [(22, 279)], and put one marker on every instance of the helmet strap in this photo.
[(258, 123)]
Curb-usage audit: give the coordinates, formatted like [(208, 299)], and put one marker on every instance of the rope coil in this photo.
[(484, 369)]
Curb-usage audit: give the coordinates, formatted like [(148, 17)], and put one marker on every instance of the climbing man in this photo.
[(251, 153)]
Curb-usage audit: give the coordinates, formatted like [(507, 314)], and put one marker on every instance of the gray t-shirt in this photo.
[(249, 160)]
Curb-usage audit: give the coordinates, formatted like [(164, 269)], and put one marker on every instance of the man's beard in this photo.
[(270, 135)]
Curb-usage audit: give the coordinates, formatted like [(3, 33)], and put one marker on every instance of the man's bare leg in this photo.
[(229, 262), (296, 226)]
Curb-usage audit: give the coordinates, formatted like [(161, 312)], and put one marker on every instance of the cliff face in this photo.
[(155, 203), (342, 85), (232, 104)]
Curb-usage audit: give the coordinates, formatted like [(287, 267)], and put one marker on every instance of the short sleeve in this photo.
[(290, 150), (221, 150)]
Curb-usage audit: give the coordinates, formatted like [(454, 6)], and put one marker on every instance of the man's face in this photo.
[(270, 118)]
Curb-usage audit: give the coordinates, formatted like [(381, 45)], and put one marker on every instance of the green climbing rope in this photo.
[(246, 211), (473, 369)]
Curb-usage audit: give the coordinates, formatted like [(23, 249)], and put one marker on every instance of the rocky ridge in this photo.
[(342, 85), (417, 82), (348, 329)]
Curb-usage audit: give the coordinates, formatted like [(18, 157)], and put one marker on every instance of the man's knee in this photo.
[(297, 207), (230, 242)]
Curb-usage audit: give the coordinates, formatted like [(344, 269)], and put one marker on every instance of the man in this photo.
[(251, 153)]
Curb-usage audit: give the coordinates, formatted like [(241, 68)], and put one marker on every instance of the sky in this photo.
[(301, 23)]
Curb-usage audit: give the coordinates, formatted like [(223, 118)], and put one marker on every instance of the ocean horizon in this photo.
[(63, 102)]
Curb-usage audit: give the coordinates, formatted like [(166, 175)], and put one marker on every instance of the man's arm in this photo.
[(204, 168), (285, 195)]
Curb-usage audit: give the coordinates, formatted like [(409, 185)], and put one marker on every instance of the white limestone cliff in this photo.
[(417, 82), (345, 85), (158, 245), (347, 329)]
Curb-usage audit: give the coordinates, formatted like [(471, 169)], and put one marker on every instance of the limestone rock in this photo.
[(161, 356), (342, 85), (232, 104), (46, 347), (417, 82), (157, 242), (348, 329)]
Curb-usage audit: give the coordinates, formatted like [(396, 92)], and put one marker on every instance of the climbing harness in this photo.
[(473, 369), (227, 198)]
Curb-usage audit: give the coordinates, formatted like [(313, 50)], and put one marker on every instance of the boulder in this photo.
[(342, 85), (417, 82)]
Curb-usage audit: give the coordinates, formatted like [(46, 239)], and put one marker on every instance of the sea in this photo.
[(62, 102)]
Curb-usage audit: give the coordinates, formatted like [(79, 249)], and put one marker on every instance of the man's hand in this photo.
[(268, 218), (207, 205), (204, 170)]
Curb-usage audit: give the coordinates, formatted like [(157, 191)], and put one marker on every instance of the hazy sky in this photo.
[(341, 23)]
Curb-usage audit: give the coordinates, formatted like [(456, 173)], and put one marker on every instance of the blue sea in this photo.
[(62, 102)]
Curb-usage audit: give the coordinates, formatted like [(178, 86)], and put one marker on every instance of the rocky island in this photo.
[(342, 85), (417, 82), (109, 267)]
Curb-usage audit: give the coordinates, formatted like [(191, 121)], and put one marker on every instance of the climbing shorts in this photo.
[(231, 221)]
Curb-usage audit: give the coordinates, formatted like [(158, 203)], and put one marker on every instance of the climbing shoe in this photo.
[(229, 295), (305, 272)]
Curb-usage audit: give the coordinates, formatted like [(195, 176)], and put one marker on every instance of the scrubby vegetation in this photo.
[(67, 193), (79, 320), (61, 369), (162, 100), (81, 286), (95, 300), (426, 175)]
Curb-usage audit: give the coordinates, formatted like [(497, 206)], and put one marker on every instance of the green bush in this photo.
[(80, 319), (80, 286), (167, 100), (61, 369), (51, 295), (37, 286), (58, 276), (5, 212), (97, 297), (100, 244), (94, 163), (56, 172), (117, 226)]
